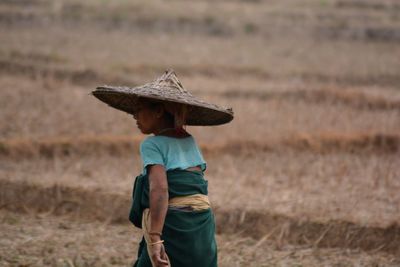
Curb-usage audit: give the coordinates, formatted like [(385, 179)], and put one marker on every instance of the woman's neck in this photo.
[(163, 126), (167, 128), (173, 132)]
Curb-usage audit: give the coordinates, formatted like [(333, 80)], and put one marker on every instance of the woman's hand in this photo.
[(158, 255)]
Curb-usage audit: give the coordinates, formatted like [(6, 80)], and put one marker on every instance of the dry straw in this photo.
[(168, 89)]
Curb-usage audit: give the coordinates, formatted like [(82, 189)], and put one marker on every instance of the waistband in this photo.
[(196, 202)]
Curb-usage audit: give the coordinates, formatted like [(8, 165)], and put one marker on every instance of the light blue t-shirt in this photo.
[(172, 153)]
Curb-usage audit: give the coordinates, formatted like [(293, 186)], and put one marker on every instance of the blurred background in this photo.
[(307, 174)]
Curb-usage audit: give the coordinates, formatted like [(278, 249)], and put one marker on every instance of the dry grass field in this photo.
[(307, 174)]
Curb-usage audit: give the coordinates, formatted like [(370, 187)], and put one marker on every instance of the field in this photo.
[(307, 174)]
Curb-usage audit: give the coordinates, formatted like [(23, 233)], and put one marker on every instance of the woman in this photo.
[(170, 200)]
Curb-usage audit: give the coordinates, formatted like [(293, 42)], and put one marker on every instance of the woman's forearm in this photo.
[(158, 208), (158, 199)]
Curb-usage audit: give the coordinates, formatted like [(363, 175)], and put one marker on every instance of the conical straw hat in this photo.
[(166, 88)]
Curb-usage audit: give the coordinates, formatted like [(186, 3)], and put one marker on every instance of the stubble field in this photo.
[(307, 174)]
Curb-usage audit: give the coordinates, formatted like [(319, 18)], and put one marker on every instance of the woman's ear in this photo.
[(160, 111)]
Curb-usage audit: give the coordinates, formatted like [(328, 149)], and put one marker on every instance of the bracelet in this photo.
[(155, 233), (157, 242)]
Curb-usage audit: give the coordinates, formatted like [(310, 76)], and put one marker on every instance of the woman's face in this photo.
[(147, 119)]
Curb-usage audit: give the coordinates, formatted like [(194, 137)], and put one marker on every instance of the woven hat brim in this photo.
[(200, 113)]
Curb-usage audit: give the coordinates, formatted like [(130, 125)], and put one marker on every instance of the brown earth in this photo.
[(278, 229), (43, 240)]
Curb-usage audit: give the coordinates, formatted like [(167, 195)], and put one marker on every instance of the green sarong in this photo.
[(189, 236)]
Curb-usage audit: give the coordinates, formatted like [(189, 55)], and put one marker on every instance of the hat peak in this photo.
[(170, 79)]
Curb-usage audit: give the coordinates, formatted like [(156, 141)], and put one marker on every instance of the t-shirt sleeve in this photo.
[(150, 154)]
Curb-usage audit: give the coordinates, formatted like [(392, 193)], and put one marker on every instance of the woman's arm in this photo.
[(158, 211), (158, 197)]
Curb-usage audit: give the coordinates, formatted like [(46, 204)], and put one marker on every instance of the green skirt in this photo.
[(189, 236)]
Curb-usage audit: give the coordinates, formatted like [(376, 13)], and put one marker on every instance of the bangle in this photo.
[(157, 242), (155, 233)]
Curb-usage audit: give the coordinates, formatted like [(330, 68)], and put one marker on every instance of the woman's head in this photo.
[(153, 116)]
